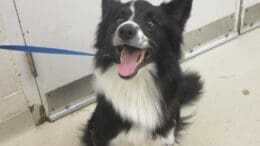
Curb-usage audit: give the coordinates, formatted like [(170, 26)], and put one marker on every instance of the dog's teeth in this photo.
[(141, 58), (121, 57)]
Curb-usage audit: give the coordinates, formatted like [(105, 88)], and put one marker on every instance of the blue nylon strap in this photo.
[(46, 50)]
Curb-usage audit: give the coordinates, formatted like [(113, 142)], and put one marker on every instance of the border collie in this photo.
[(140, 85)]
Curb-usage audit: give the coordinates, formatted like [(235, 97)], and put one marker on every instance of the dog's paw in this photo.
[(169, 140)]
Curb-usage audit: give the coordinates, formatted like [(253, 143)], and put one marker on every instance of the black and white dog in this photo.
[(139, 82)]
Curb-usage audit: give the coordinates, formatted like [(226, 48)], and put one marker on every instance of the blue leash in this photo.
[(46, 50)]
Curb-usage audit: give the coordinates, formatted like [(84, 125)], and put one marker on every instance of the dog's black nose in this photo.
[(127, 32)]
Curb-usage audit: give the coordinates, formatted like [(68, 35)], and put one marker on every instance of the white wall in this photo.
[(17, 92), (207, 11), (61, 24), (13, 36), (248, 3), (12, 98)]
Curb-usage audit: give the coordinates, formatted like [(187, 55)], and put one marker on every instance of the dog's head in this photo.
[(134, 34)]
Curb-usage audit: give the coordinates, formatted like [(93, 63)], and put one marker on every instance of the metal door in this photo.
[(212, 23), (61, 24)]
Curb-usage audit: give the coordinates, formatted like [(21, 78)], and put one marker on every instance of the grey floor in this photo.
[(227, 115)]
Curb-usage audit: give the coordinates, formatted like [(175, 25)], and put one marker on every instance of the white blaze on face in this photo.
[(132, 8), (140, 40)]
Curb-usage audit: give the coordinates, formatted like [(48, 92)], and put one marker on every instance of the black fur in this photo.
[(190, 89), (178, 89), (104, 124)]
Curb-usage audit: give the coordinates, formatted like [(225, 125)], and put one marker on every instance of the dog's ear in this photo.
[(179, 10), (107, 5)]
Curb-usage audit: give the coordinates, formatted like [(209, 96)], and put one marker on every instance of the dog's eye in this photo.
[(120, 20), (151, 24)]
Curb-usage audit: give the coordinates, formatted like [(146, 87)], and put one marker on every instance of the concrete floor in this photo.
[(227, 115)]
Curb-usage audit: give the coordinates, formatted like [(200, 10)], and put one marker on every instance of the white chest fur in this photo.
[(136, 99)]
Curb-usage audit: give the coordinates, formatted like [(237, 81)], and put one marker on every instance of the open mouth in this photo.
[(131, 60)]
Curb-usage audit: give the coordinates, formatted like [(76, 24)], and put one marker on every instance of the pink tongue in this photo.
[(128, 63)]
